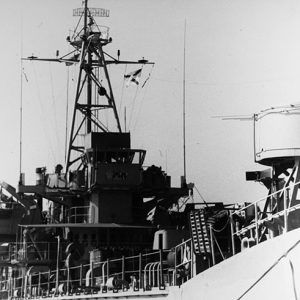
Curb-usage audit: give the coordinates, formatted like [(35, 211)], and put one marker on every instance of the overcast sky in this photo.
[(242, 56)]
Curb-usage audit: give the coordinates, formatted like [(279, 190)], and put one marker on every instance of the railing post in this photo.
[(157, 274), (161, 277), (285, 198), (30, 285), (123, 268), (9, 252), (103, 272), (68, 279), (152, 279), (48, 287), (193, 267), (11, 286), (57, 265), (39, 286), (92, 274), (140, 272), (256, 223), (25, 251), (107, 268), (175, 267), (232, 233), (24, 285), (80, 275), (212, 245)]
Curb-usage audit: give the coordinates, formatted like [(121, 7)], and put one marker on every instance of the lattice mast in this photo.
[(90, 47), (88, 43)]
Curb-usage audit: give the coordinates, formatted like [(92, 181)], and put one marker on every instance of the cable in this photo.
[(149, 75), (133, 104), (67, 113), (41, 107), (54, 106), (139, 109), (73, 37), (142, 100), (219, 248), (202, 198), (122, 91), (220, 230)]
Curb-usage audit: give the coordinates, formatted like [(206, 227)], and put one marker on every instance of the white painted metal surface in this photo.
[(277, 134), (270, 270)]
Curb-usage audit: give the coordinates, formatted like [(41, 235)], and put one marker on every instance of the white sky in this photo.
[(242, 56)]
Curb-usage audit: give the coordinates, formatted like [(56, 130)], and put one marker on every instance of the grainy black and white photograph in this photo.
[(150, 149)]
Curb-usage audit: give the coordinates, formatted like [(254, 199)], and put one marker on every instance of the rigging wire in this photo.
[(219, 248), (67, 114), (202, 198), (76, 27), (122, 91), (73, 83), (54, 106), (149, 75), (133, 102), (133, 105), (106, 111), (139, 110), (42, 110), (95, 23), (142, 100)]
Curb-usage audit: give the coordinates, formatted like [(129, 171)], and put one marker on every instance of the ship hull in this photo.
[(270, 270)]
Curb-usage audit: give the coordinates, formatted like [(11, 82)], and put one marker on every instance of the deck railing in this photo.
[(32, 251), (251, 233), (8, 205), (79, 214), (156, 269)]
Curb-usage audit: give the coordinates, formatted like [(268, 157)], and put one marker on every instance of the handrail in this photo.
[(72, 213), (269, 218), (184, 267), (264, 198), (256, 221), (21, 250), (183, 243), (144, 270)]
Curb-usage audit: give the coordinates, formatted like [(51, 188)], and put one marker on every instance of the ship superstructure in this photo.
[(116, 229), (97, 206)]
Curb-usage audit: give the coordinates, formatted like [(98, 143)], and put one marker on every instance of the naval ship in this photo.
[(115, 229)]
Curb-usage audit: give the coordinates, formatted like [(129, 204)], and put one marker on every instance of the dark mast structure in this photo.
[(89, 44), (103, 175)]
